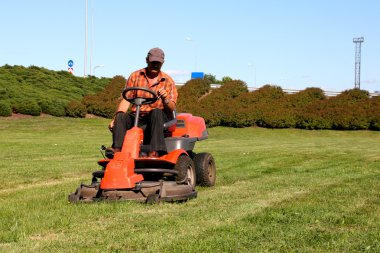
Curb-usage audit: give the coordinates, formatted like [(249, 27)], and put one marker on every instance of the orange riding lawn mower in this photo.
[(171, 177)]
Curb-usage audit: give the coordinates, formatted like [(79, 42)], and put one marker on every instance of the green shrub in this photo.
[(219, 107), (233, 88), (353, 96), (54, 108), (305, 97), (268, 93), (104, 103), (350, 117), (5, 109), (76, 109), (234, 115), (314, 116), (348, 110), (190, 95), (28, 107), (4, 93), (278, 117), (374, 113), (194, 88), (39, 84)]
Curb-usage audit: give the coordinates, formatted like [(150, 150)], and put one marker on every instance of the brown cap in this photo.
[(156, 54)]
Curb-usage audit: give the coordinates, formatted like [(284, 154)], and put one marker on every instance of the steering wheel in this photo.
[(140, 100)]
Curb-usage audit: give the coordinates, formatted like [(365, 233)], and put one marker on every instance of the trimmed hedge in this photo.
[(5, 109), (76, 109), (105, 102), (232, 105), (28, 107), (190, 95), (35, 90), (44, 90), (54, 108)]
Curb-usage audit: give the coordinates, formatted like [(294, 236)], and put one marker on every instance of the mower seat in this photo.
[(171, 124), (169, 127)]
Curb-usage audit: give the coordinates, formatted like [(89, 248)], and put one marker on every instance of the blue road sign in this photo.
[(70, 63), (195, 75)]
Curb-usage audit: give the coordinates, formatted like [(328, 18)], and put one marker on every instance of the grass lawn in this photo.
[(277, 190)]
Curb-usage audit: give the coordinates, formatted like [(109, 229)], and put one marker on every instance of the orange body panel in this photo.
[(193, 126), (172, 157), (119, 172), (132, 141)]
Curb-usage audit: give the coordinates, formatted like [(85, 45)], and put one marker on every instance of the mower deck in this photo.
[(146, 191)]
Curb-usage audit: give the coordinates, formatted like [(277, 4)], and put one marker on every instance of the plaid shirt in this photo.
[(139, 79)]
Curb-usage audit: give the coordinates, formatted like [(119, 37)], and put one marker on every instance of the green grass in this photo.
[(277, 190)]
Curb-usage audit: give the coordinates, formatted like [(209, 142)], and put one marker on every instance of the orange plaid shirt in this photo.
[(139, 79)]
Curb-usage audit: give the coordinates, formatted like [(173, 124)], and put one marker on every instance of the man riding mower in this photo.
[(129, 174)]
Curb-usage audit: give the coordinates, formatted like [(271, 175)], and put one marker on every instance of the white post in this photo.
[(85, 43), (92, 34)]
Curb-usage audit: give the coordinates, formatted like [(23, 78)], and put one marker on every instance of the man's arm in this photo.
[(122, 107), (169, 104), (169, 95)]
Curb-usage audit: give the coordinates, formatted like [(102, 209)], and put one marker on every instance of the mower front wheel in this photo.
[(186, 170), (205, 169)]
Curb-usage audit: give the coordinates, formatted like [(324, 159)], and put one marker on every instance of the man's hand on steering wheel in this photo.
[(140, 100)]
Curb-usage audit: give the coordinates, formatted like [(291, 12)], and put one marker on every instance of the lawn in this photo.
[(284, 190)]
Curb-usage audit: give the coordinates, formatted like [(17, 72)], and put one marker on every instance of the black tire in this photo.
[(186, 170), (205, 169), (191, 154)]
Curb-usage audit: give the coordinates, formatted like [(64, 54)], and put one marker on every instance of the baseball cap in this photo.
[(156, 54)]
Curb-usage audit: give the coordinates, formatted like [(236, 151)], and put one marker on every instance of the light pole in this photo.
[(91, 34), (358, 44), (97, 66), (195, 51), (85, 41)]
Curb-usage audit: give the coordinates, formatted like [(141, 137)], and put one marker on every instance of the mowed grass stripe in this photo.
[(277, 190)]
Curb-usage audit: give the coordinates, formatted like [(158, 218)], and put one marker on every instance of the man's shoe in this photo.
[(109, 152), (153, 154)]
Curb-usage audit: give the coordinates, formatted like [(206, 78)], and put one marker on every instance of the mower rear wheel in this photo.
[(186, 170), (205, 169)]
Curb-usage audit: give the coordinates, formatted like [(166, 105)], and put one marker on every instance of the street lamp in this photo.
[(97, 66), (85, 40), (195, 51), (86, 37)]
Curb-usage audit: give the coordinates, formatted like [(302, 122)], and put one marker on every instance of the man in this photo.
[(152, 115)]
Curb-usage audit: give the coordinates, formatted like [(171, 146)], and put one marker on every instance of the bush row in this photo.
[(35, 90), (232, 105)]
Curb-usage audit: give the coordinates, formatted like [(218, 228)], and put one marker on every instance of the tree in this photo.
[(226, 79), (210, 78)]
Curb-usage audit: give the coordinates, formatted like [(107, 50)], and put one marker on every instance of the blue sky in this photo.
[(291, 43)]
